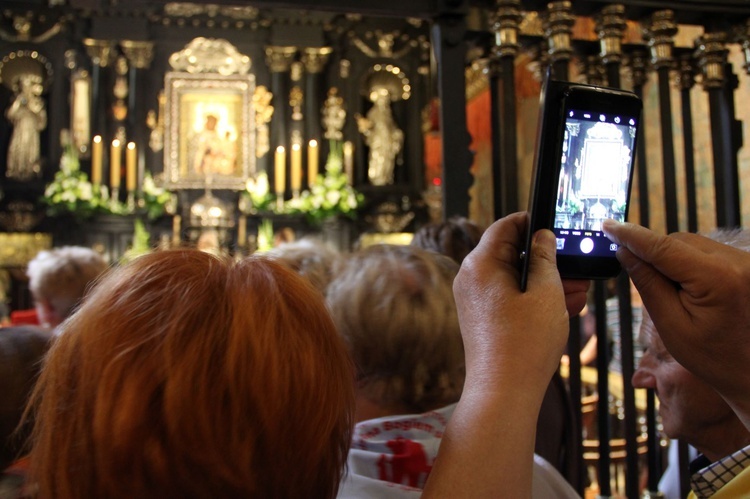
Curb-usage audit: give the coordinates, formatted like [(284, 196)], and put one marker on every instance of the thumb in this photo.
[(543, 264)]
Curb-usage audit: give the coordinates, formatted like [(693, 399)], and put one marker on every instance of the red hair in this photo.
[(189, 375)]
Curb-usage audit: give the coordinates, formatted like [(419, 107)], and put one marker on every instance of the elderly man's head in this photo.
[(59, 278), (690, 409)]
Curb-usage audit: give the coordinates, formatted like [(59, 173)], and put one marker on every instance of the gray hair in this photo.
[(737, 238), (62, 275), (309, 257), (394, 306)]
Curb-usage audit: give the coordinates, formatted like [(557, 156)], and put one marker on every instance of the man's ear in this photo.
[(48, 316)]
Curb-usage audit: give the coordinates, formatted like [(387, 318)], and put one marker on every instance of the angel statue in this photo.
[(28, 117), (382, 136)]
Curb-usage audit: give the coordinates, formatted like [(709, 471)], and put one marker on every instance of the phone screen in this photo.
[(586, 146), (595, 169)]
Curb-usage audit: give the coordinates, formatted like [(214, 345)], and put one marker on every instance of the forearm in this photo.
[(488, 447)]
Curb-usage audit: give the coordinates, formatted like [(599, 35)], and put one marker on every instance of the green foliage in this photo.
[(573, 205)]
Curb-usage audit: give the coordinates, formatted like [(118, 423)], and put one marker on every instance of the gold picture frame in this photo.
[(210, 130)]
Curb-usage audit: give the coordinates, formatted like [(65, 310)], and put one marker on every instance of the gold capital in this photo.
[(100, 51), (279, 59), (610, 27), (506, 23), (316, 58), (139, 53), (660, 34), (558, 28), (712, 56)]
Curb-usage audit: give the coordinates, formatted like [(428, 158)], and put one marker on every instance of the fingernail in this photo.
[(543, 237)]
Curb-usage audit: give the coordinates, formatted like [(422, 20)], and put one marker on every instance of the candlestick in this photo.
[(130, 161), (96, 161), (312, 161), (114, 164), (296, 169), (280, 170), (349, 162)]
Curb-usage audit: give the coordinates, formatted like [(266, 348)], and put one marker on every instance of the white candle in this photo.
[(280, 170), (130, 160), (114, 164), (96, 160), (312, 162)]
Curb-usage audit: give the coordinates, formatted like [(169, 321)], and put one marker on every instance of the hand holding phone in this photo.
[(586, 144)]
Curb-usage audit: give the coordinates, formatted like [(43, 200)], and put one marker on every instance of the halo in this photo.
[(388, 77), (25, 62)]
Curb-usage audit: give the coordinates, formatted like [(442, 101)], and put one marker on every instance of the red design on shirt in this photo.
[(409, 460)]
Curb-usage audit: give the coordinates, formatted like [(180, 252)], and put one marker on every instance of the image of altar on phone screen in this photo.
[(595, 169)]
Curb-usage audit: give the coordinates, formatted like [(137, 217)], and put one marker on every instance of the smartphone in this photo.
[(583, 170)]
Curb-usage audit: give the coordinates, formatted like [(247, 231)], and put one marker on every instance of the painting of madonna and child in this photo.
[(211, 132)]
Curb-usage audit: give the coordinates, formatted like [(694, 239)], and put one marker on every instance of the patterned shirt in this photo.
[(709, 479)]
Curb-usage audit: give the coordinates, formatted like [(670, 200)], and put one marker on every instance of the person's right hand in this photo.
[(506, 332), (513, 342), (697, 292)]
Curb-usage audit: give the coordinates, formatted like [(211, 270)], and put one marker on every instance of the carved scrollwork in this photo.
[(210, 55)]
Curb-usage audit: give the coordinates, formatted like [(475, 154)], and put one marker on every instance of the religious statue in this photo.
[(382, 136), (29, 118)]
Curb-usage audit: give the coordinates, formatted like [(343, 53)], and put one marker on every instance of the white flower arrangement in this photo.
[(258, 193), (72, 192), (330, 195), (154, 199)]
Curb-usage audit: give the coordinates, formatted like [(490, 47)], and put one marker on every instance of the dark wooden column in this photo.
[(660, 35), (139, 54), (686, 78), (505, 25), (638, 66), (101, 54), (279, 60), (712, 57), (315, 60), (448, 32), (638, 62), (610, 28)]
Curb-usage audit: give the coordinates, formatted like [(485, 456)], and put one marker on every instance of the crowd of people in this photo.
[(392, 371)]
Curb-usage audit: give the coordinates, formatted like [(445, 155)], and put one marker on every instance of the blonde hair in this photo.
[(394, 306), (62, 275), (186, 374)]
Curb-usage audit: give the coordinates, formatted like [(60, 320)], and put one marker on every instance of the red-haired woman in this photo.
[(189, 375)]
